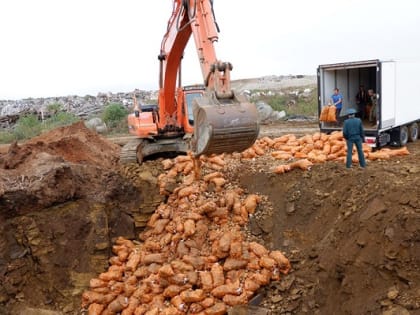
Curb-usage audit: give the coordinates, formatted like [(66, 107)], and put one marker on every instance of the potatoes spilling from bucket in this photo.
[(194, 258)]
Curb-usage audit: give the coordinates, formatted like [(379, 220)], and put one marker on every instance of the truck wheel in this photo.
[(403, 135), (413, 132)]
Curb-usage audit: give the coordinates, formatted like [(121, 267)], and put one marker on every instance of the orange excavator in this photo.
[(205, 119)]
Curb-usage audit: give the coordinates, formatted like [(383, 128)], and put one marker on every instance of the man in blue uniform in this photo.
[(354, 134), (337, 100)]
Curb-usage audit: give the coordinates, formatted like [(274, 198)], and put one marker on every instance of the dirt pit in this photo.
[(352, 236), (63, 200)]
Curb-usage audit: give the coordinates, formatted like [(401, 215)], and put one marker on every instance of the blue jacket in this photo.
[(353, 129)]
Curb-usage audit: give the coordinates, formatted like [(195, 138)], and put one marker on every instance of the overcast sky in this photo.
[(57, 48)]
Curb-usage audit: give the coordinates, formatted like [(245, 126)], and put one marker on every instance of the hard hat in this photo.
[(351, 111)]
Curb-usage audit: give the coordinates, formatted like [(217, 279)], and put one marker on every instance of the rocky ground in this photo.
[(352, 236), (89, 106)]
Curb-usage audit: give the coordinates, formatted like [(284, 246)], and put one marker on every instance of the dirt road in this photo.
[(352, 236)]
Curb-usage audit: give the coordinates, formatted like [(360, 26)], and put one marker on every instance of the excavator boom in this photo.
[(206, 119), (223, 121)]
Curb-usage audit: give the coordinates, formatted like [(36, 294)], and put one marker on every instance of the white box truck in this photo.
[(397, 86)]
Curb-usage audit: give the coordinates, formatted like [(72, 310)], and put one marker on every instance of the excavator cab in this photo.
[(190, 93)]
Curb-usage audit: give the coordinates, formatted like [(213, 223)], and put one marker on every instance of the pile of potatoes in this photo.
[(310, 149), (193, 258)]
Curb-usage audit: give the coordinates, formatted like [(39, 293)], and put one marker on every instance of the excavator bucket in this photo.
[(224, 125)]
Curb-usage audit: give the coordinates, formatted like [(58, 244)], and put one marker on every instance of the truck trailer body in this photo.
[(395, 83)]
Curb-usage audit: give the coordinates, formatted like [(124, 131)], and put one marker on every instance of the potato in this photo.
[(153, 258), (302, 164), (97, 283), (267, 262), (173, 290), (95, 309), (192, 296), (281, 260), (233, 300), (133, 261), (219, 182), (89, 297), (232, 288), (187, 191), (179, 303), (206, 280), (258, 150), (210, 176), (217, 159), (166, 271), (261, 278), (189, 228), (181, 267), (225, 241), (258, 249), (251, 285), (217, 275), (117, 305), (167, 164), (251, 202), (234, 264), (216, 309)]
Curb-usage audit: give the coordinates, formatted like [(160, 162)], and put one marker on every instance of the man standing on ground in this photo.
[(337, 100), (354, 134)]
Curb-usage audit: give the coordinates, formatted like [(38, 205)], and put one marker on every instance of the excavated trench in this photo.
[(64, 199), (352, 237)]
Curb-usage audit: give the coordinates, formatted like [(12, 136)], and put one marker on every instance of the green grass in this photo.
[(119, 128), (27, 127), (292, 105), (114, 115), (60, 119), (30, 126), (7, 137)]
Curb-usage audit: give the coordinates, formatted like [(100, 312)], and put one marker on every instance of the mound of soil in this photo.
[(352, 235), (68, 163), (75, 144), (63, 199)]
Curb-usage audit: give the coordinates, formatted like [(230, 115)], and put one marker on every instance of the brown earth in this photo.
[(63, 200), (352, 236)]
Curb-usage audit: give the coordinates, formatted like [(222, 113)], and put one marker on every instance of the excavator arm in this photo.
[(223, 121)]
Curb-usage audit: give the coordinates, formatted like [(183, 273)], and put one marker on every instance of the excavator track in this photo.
[(129, 151)]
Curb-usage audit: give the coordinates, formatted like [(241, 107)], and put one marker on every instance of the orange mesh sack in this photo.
[(331, 114), (324, 113)]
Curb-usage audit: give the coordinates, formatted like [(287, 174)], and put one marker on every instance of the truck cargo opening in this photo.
[(392, 116), (348, 80)]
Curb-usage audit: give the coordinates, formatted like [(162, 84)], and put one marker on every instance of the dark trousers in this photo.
[(362, 111), (337, 116), (358, 143)]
